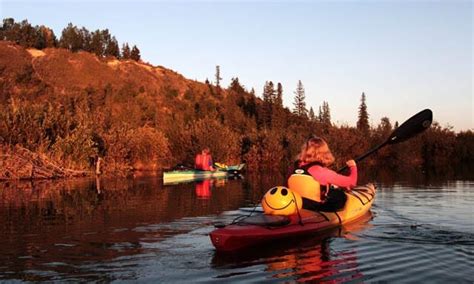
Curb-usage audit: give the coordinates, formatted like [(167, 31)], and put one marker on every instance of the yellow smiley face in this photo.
[(280, 200)]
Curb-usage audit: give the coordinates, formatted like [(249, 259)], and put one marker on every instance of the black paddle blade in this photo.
[(413, 126)]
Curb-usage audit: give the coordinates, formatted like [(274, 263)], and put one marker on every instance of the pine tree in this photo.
[(312, 116), (299, 103), (236, 86), (71, 38), (135, 53), (278, 114), (97, 43), (385, 127), (279, 96), (112, 48), (126, 51), (326, 115), (268, 100), (363, 121), (48, 36), (218, 76), (86, 39)]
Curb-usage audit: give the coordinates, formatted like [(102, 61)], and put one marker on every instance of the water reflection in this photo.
[(51, 228)]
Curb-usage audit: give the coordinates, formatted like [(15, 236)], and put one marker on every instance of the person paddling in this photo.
[(314, 160), (203, 160)]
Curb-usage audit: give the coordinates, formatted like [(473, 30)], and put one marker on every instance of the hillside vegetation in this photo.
[(73, 107)]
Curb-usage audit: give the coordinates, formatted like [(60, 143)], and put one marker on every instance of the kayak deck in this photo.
[(262, 228)]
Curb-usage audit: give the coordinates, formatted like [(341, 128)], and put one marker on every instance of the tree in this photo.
[(312, 116), (86, 39), (236, 86), (278, 115), (218, 76), (112, 48), (268, 100), (71, 38), (299, 102), (279, 96), (97, 43), (126, 53), (385, 126), (326, 117), (363, 121), (48, 36), (135, 53)]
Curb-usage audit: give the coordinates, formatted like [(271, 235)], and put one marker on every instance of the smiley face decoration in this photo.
[(280, 200)]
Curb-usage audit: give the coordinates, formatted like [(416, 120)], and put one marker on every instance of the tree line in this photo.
[(99, 42)]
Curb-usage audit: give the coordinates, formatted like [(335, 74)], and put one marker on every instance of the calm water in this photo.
[(141, 230)]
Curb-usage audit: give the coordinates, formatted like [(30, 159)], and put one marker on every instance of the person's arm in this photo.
[(211, 163), (342, 180), (326, 176)]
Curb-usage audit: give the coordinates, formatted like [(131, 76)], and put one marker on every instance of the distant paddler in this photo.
[(204, 161)]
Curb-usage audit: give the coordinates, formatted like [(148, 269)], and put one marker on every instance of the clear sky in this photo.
[(405, 55)]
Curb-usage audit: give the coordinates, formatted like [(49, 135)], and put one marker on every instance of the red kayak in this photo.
[(262, 228)]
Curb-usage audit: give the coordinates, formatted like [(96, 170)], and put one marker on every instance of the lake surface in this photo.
[(139, 230)]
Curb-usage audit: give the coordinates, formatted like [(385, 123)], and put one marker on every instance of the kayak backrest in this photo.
[(305, 185)]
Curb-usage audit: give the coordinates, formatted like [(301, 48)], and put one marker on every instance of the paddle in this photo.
[(413, 126)]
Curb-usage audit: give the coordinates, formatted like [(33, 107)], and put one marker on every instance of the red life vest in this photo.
[(203, 162)]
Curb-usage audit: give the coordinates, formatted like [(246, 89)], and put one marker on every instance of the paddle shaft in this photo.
[(360, 158)]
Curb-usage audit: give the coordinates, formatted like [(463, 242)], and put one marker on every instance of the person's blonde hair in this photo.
[(312, 152)]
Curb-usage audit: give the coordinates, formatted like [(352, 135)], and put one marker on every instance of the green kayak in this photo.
[(191, 175)]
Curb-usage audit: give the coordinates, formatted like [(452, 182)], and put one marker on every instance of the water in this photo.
[(138, 229)]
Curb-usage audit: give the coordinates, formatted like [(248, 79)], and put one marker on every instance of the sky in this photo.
[(404, 55)]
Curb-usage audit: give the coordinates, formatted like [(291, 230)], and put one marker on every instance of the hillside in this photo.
[(73, 107), (113, 101)]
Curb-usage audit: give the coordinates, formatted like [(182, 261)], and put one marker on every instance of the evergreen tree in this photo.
[(279, 96), (48, 36), (97, 43), (299, 103), (385, 126), (135, 53), (278, 115), (71, 38), (236, 86), (312, 116), (30, 36), (6, 32), (218, 76), (363, 121), (268, 100), (326, 117), (86, 39), (112, 48), (126, 53)]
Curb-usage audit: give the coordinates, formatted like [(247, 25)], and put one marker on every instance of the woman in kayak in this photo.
[(203, 160), (314, 160)]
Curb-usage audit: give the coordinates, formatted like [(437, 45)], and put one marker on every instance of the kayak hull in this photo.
[(245, 234)]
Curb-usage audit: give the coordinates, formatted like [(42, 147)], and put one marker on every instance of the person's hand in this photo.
[(351, 163)]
